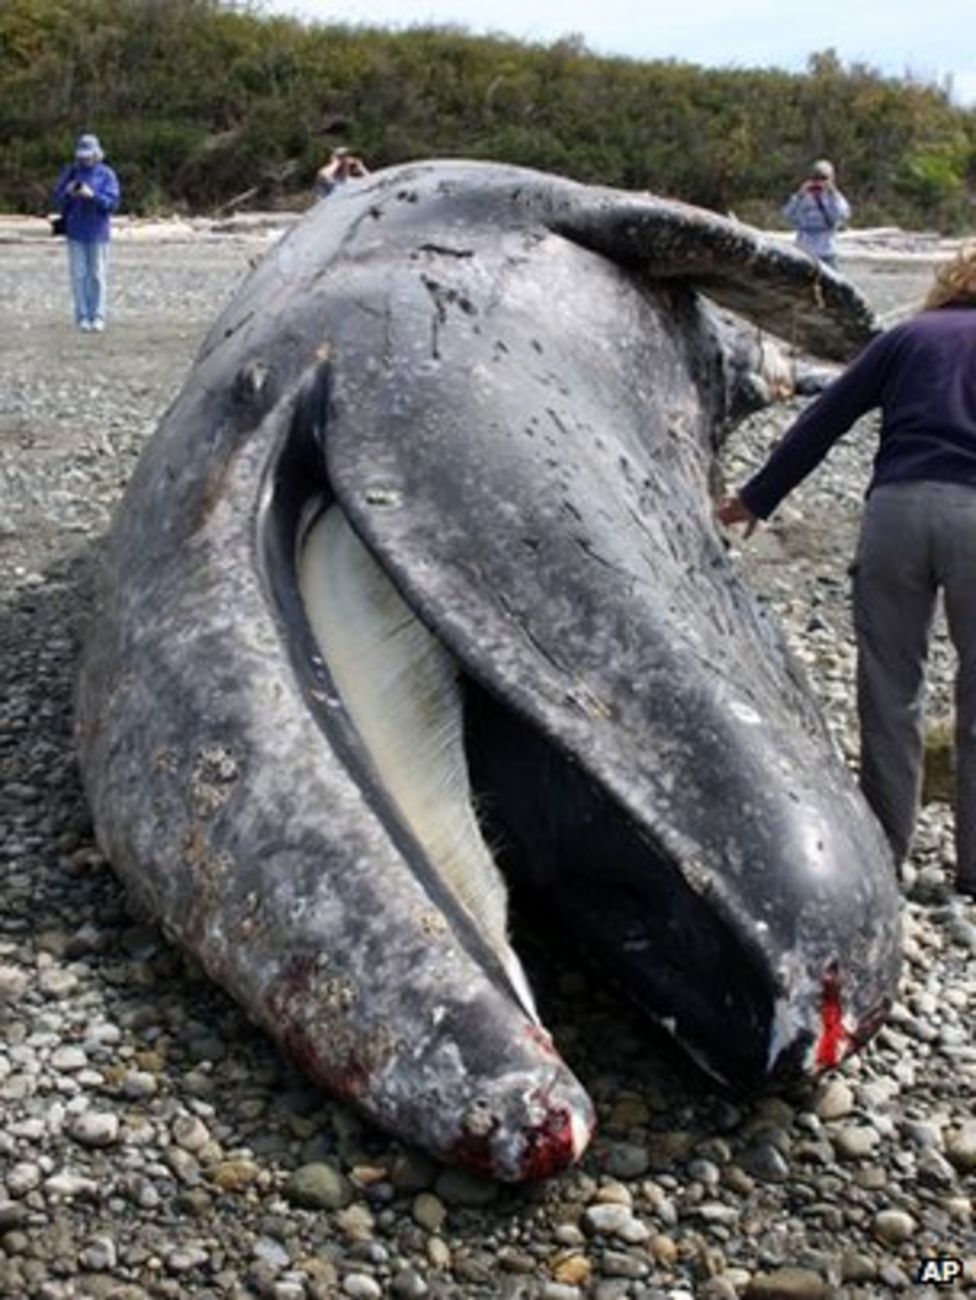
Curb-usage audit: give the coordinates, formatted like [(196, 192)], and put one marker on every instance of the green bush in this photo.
[(200, 102)]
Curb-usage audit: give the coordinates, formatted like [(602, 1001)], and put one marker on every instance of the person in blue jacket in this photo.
[(816, 211), (86, 195), (918, 536)]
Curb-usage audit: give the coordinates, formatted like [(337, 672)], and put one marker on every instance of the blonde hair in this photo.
[(955, 281)]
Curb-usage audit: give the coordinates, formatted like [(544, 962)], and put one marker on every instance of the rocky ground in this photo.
[(155, 1145)]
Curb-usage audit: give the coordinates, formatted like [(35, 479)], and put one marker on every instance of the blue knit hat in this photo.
[(88, 147)]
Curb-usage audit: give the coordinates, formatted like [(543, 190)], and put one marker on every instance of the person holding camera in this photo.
[(816, 211), (343, 165), (86, 195)]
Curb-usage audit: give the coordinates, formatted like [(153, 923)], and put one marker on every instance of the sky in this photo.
[(931, 40)]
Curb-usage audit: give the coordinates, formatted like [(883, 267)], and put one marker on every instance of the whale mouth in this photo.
[(497, 810), (402, 692), (497, 725)]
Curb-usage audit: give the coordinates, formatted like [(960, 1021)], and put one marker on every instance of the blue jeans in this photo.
[(88, 261)]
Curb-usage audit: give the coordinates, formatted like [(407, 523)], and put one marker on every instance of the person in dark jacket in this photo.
[(86, 195), (918, 535)]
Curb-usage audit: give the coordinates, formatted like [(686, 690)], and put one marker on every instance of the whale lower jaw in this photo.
[(405, 696)]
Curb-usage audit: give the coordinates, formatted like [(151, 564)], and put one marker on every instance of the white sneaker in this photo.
[(98, 325), (85, 326)]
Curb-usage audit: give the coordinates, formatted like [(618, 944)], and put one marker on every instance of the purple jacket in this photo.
[(87, 220), (922, 374)]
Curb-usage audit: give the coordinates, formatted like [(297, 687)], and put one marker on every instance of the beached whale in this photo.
[(415, 599)]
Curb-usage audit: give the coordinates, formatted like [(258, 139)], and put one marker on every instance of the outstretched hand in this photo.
[(731, 510)]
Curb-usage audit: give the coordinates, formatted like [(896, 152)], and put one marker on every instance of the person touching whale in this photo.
[(918, 536)]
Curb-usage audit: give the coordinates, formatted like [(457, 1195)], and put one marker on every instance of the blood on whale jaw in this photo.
[(401, 690)]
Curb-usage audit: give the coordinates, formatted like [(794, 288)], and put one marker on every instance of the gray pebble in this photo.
[(271, 1252), (960, 1147), (190, 1133), (962, 933), (56, 983), (459, 1187), (606, 1219), (893, 1277), (894, 1226), (319, 1186), (923, 1133), (716, 1212), (23, 1178), (788, 1284), (288, 1289), (95, 1128), (836, 1100), (855, 1266), (67, 1183), (429, 1212), (361, 1287), (616, 1263), (100, 1255), (718, 1288), (704, 1171), (855, 1141), (68, 1059), (186, 1260), (408, 1284), (12, 1215), (935, 1170), (766, 1163), (627, 1160), (13, 983), (139, 1085)]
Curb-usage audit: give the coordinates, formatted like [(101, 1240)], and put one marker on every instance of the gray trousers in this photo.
[(915, 539)]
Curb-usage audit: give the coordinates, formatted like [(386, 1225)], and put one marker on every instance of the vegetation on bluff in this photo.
[(202, 103)]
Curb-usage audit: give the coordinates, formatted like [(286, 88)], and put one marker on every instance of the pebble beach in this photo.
[(154, 1144)]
